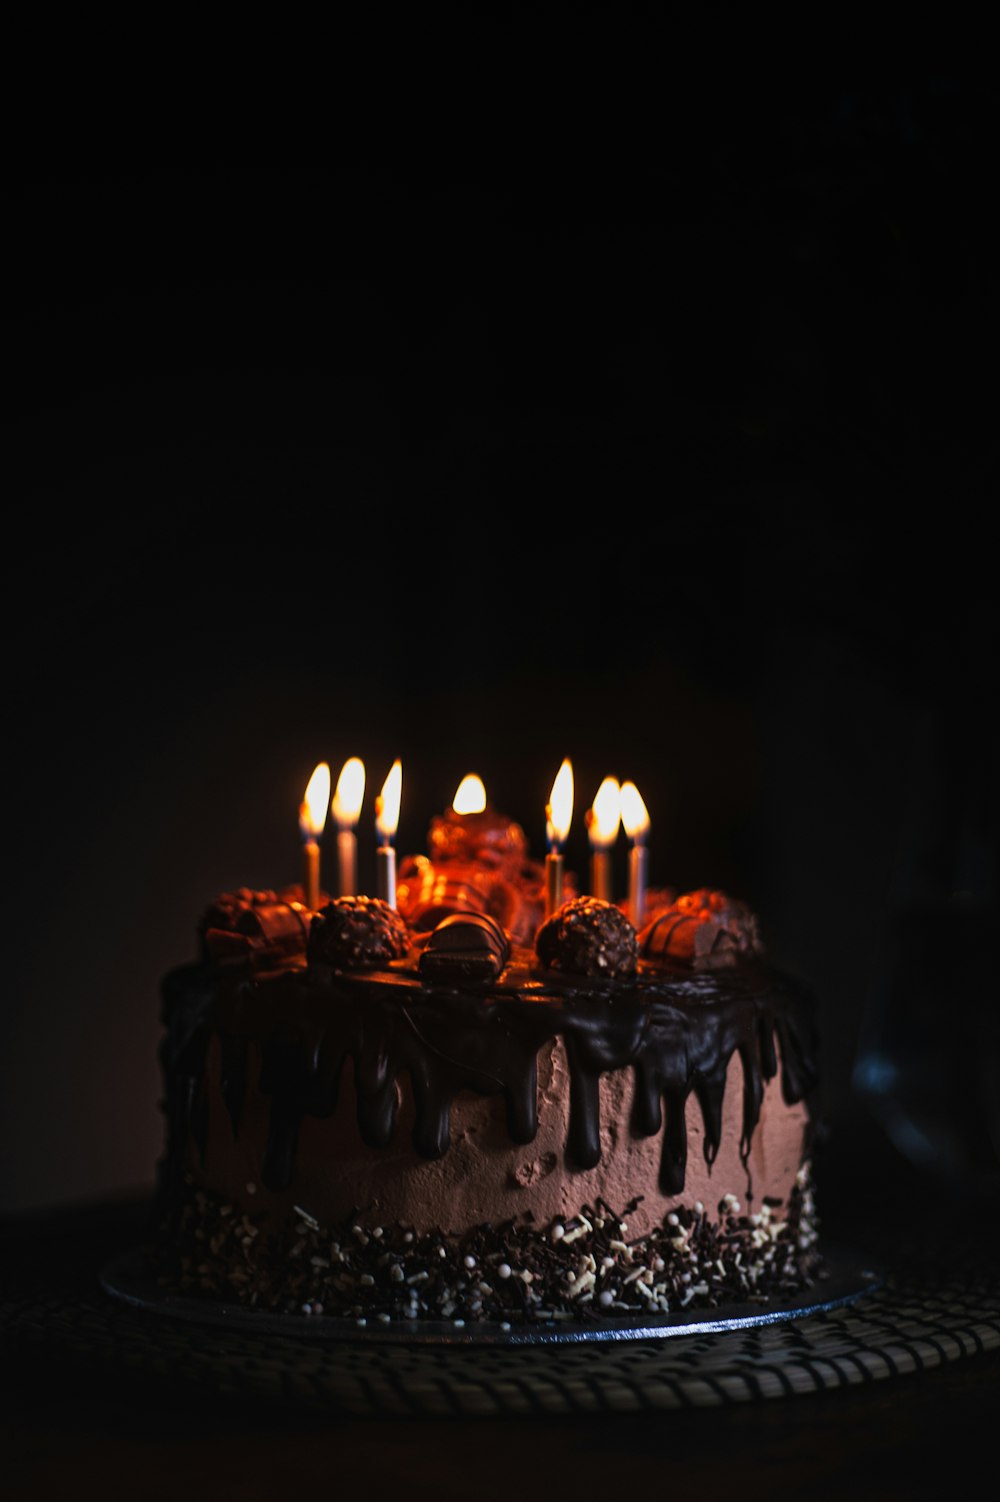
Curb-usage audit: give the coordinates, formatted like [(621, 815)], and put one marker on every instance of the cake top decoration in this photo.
[(703, 927), (586, 936), (465, 947), (486, 836), (357, 933), (255, 924)]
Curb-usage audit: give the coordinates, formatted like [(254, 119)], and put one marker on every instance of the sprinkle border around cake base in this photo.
[(578, 1269)]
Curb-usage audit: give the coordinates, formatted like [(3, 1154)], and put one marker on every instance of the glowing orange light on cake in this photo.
[(603, 821), (350, 793), (635, 815), (312, 819), (471, 795), (606, 814), (559, 810), (558, 817), (346, 809), (386, 823), (635, 818), (312, 810), (388, 801)]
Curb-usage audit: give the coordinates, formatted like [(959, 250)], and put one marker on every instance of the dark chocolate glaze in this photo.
[(676, 1029)]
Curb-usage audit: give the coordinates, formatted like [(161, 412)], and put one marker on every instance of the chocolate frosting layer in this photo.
[(675, 1029)]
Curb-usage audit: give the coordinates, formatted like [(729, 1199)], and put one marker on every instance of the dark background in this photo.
[(660, 435)]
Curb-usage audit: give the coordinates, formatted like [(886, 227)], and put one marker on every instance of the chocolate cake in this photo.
[(462, 1108)]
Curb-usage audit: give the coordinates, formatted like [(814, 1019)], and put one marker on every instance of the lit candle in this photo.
[(602, 824), (471, 795), (312, 818), (346, 809), (386, 823), (636, 821), (558, 817)]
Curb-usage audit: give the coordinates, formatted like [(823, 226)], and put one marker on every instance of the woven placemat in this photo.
[(917, 1318)]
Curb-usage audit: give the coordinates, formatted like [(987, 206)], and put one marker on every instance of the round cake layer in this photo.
[(303, 1095), (482, 1176)]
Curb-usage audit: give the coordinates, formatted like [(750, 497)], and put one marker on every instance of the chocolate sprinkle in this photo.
[(577, 1269)]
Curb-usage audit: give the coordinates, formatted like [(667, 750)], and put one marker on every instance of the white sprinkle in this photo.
[(383, 1319), (396, 1273), (377, 1233), (558, 1231), (317, 1308), (658, 1264), (606, 1298), (459, 1324), (442, 1252), (366, 1280), (505, 1324), (361, 1322), (307, 1309), (672, 1219), (408, 1236), (469, 1261), (251, 1187), (699, 1208), (503, 1271)]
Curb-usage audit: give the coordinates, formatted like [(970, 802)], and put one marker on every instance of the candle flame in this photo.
[(634, 813), (387, 803), (312, 809), (606, 814), (559, 810), (471, 795), (350, 793)]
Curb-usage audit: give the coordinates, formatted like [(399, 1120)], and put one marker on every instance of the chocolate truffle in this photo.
[(357, 933), (588, 937)]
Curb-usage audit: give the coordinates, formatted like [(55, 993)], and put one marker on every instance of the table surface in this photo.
[(70, 1426)]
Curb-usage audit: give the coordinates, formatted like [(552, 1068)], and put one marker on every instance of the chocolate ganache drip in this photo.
[(675, 1028)]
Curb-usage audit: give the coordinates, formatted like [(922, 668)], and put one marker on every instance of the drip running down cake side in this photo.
[(465, 1108)]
